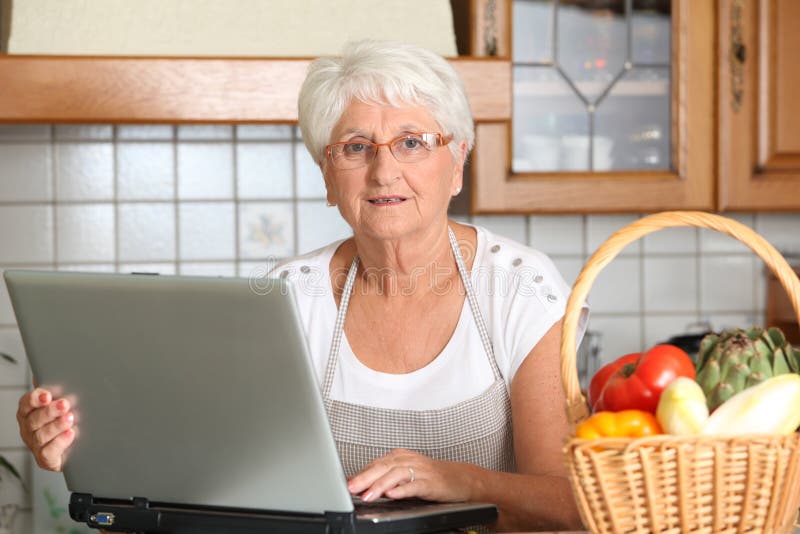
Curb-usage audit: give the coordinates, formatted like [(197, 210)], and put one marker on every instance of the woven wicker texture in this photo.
[(679, 484)]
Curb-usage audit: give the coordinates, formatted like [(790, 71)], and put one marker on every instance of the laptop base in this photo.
[(141, 516)]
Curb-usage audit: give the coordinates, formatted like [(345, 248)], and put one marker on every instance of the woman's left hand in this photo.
[(403, 473)]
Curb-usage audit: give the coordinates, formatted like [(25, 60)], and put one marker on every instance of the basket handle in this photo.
[(577, 409)]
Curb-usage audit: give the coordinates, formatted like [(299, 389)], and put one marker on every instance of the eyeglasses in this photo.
[(408, 148)]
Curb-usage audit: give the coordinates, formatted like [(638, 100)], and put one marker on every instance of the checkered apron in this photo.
[(476, 430)]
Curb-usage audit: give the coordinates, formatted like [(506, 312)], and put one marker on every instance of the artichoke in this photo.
[(736, 359)]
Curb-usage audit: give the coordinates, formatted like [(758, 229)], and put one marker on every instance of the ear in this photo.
[(458, 171), (329, 196)]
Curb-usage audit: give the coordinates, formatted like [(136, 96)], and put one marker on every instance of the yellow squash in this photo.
[(682, 408)]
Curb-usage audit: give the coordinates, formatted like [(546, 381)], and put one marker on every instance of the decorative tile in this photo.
[(206, 231), (600, 227), (85, 233), (318, 225), (265, 170), (25, 132), (557, 234), (310, 183), (617, 287), (222, 268), (84, 132), (510, 226), (84, 171), (205, 171), (26, 234), (671, 240), (727, 283), (145, 171), (670, 284), (260, 132), (266, 230), (712, 241), (205, 132), (26, 172), (146, 232), (620, 335), (13, 374), (144, 132)]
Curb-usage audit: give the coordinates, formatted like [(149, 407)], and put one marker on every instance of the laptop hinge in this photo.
[(120, 516), (340, 522)]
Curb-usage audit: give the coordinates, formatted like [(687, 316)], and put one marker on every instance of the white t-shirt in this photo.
[(520, 294)]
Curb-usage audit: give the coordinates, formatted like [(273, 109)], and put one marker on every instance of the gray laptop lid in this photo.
[(187, 390)]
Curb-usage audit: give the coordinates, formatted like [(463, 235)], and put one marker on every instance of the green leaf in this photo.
[(777, 337), (780, 365)]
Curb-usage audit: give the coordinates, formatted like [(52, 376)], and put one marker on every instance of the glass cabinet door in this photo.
[(591, 85), (612, 106)]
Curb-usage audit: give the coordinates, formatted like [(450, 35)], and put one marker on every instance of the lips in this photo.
[(386, 201)]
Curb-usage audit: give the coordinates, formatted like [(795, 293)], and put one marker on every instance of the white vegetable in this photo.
[(771, 407), (682, 408)]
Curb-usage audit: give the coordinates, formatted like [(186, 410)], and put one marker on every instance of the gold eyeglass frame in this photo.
[(440, 140)]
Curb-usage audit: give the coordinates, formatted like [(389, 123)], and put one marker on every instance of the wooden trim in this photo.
[(52, 89), (496, 189), (753, 174)]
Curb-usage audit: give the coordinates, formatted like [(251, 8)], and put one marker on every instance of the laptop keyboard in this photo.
[(387, 505)]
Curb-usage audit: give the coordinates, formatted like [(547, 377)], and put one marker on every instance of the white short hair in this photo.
[(382, 72)]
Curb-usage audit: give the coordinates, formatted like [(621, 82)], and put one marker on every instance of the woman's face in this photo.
[(420, 191)]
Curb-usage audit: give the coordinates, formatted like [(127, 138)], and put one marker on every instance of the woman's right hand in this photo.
[(46, 427)]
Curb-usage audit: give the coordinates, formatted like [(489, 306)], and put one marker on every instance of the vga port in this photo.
[(103, 519)]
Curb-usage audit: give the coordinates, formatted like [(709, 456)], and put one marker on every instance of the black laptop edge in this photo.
[(140, 515)]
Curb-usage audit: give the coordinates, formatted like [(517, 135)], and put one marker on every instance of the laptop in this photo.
[(197, 407)]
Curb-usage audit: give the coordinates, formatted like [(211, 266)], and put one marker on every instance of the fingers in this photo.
[(394, 479), (51, 456), (398, 468), (46, 427), (31, 401)]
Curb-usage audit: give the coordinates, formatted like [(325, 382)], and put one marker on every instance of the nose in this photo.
[(384, 169)]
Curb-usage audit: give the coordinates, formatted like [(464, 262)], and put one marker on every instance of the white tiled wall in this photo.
[(223, 200)]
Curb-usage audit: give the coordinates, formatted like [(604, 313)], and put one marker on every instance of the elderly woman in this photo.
[(429, 337)]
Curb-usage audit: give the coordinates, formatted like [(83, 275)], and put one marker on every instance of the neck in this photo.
[(407, 265)]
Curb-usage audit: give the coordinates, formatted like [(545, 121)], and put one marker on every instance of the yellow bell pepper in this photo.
[(622, 424)]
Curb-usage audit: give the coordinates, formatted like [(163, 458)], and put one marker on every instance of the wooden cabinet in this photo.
[(732, 116), (687, 180), (759, 110)]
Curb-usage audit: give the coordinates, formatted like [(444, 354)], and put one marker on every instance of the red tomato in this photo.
[(638, 385), (604, 373)]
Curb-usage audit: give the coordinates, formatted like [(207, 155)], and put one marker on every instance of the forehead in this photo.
[(383, 119)]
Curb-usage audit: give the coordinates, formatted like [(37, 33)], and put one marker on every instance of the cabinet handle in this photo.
[(737, 54)]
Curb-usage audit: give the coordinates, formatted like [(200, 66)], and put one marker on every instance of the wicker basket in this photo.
[(670, 483)]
